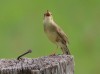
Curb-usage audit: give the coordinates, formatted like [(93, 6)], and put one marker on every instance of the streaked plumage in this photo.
[(55, 33)]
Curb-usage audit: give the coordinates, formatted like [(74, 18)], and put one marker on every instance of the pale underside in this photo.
[(55, 34)]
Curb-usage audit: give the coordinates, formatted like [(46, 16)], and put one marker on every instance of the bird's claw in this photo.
[(52, 54)]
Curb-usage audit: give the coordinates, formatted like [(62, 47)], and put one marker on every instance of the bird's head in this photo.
[(48, 16)]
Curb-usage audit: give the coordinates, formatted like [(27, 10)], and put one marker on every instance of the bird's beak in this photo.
[(47, 13)]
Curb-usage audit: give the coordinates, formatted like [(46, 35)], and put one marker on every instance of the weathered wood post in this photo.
[(58, 64)]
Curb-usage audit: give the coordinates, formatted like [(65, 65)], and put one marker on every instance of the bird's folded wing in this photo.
[(61, 34)]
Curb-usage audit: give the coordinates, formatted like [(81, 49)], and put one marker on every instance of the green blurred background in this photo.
[(21, 28)]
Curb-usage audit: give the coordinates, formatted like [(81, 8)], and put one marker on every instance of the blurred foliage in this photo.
[(21, 28)]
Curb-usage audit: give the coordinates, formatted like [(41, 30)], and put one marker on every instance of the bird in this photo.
[(55, 34)]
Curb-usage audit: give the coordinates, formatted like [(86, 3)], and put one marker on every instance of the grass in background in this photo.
[(21, 28)]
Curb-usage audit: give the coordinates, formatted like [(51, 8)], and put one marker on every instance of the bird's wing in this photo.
[(61, 34)]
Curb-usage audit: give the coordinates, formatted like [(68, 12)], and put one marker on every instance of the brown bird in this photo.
[(55, 33)]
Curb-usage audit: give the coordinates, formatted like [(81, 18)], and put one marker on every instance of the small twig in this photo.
[(19, 57)]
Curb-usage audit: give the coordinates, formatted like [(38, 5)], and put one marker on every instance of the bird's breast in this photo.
[(50, 33)]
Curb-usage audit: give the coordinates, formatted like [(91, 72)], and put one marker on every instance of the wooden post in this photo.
[(58, 64)]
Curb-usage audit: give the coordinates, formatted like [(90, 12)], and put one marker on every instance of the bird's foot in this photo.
[(53, 54)]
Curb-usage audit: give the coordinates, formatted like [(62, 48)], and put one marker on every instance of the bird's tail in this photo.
[(65, 50)]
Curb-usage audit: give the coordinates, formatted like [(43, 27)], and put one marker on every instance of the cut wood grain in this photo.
[(58, 64)]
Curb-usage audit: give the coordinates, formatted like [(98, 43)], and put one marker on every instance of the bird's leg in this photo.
[(54, 52), (62, 50)]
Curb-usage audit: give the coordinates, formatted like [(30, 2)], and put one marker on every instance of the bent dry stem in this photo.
[(19, 57)]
